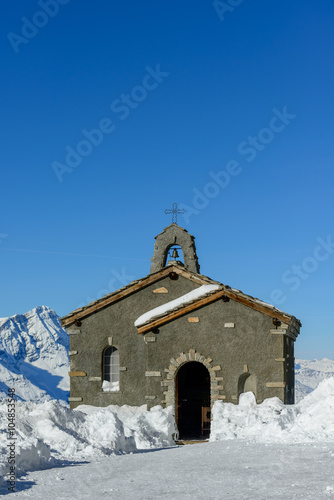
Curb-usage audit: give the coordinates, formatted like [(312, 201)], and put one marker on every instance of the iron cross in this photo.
[(174, 211)]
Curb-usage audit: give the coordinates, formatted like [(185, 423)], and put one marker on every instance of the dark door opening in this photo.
[(193, 401)]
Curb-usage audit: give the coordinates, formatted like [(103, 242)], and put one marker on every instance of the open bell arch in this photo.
[(174, 235)]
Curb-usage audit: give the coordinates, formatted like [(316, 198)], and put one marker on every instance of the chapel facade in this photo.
[(177, 337)]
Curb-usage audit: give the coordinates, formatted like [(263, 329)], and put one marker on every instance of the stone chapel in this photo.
[(176, 337)]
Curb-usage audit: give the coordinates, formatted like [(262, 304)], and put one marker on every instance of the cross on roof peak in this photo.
[(174, 211)]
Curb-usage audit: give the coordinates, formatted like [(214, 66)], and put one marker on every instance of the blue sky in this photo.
[(112, 111)]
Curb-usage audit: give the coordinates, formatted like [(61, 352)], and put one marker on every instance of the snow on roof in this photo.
[(173, 304), (257, 301)]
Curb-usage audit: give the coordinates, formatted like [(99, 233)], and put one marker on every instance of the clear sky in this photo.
[(112, 111)]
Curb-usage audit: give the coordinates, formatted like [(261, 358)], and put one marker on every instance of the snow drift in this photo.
[(310, 420), (49, 432)]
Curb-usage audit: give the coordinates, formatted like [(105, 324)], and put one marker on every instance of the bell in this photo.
[(175, 254)]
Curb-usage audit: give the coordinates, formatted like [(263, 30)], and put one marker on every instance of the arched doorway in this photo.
[(193, 400)]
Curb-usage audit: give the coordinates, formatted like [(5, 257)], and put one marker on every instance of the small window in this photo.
[(110, 369)]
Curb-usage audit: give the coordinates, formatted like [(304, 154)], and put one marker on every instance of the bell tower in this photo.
[(171, 236)]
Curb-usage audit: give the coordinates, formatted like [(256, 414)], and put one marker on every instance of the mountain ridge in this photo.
[(34, 356)]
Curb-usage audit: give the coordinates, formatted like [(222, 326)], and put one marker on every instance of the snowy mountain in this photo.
[(34, 359), (34, 356), (309, 374)]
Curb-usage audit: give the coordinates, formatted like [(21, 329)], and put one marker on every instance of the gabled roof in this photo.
[(199, 279), (130, 288)]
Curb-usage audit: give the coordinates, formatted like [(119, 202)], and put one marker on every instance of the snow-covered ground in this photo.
[(230, 469)]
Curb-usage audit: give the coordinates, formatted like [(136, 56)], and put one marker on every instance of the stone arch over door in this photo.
[(216, 386)]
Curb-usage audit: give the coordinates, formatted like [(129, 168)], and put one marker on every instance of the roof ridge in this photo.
[(66, 320)]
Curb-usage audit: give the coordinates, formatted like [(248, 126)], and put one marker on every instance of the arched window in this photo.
[(110, 369)]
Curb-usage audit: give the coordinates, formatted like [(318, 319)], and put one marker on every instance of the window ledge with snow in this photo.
[(110, 386)]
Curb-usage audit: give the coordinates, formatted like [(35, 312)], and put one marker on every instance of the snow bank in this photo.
[(311, 420), (48, 432), (30, 455), (149, 429), (169, 306)]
